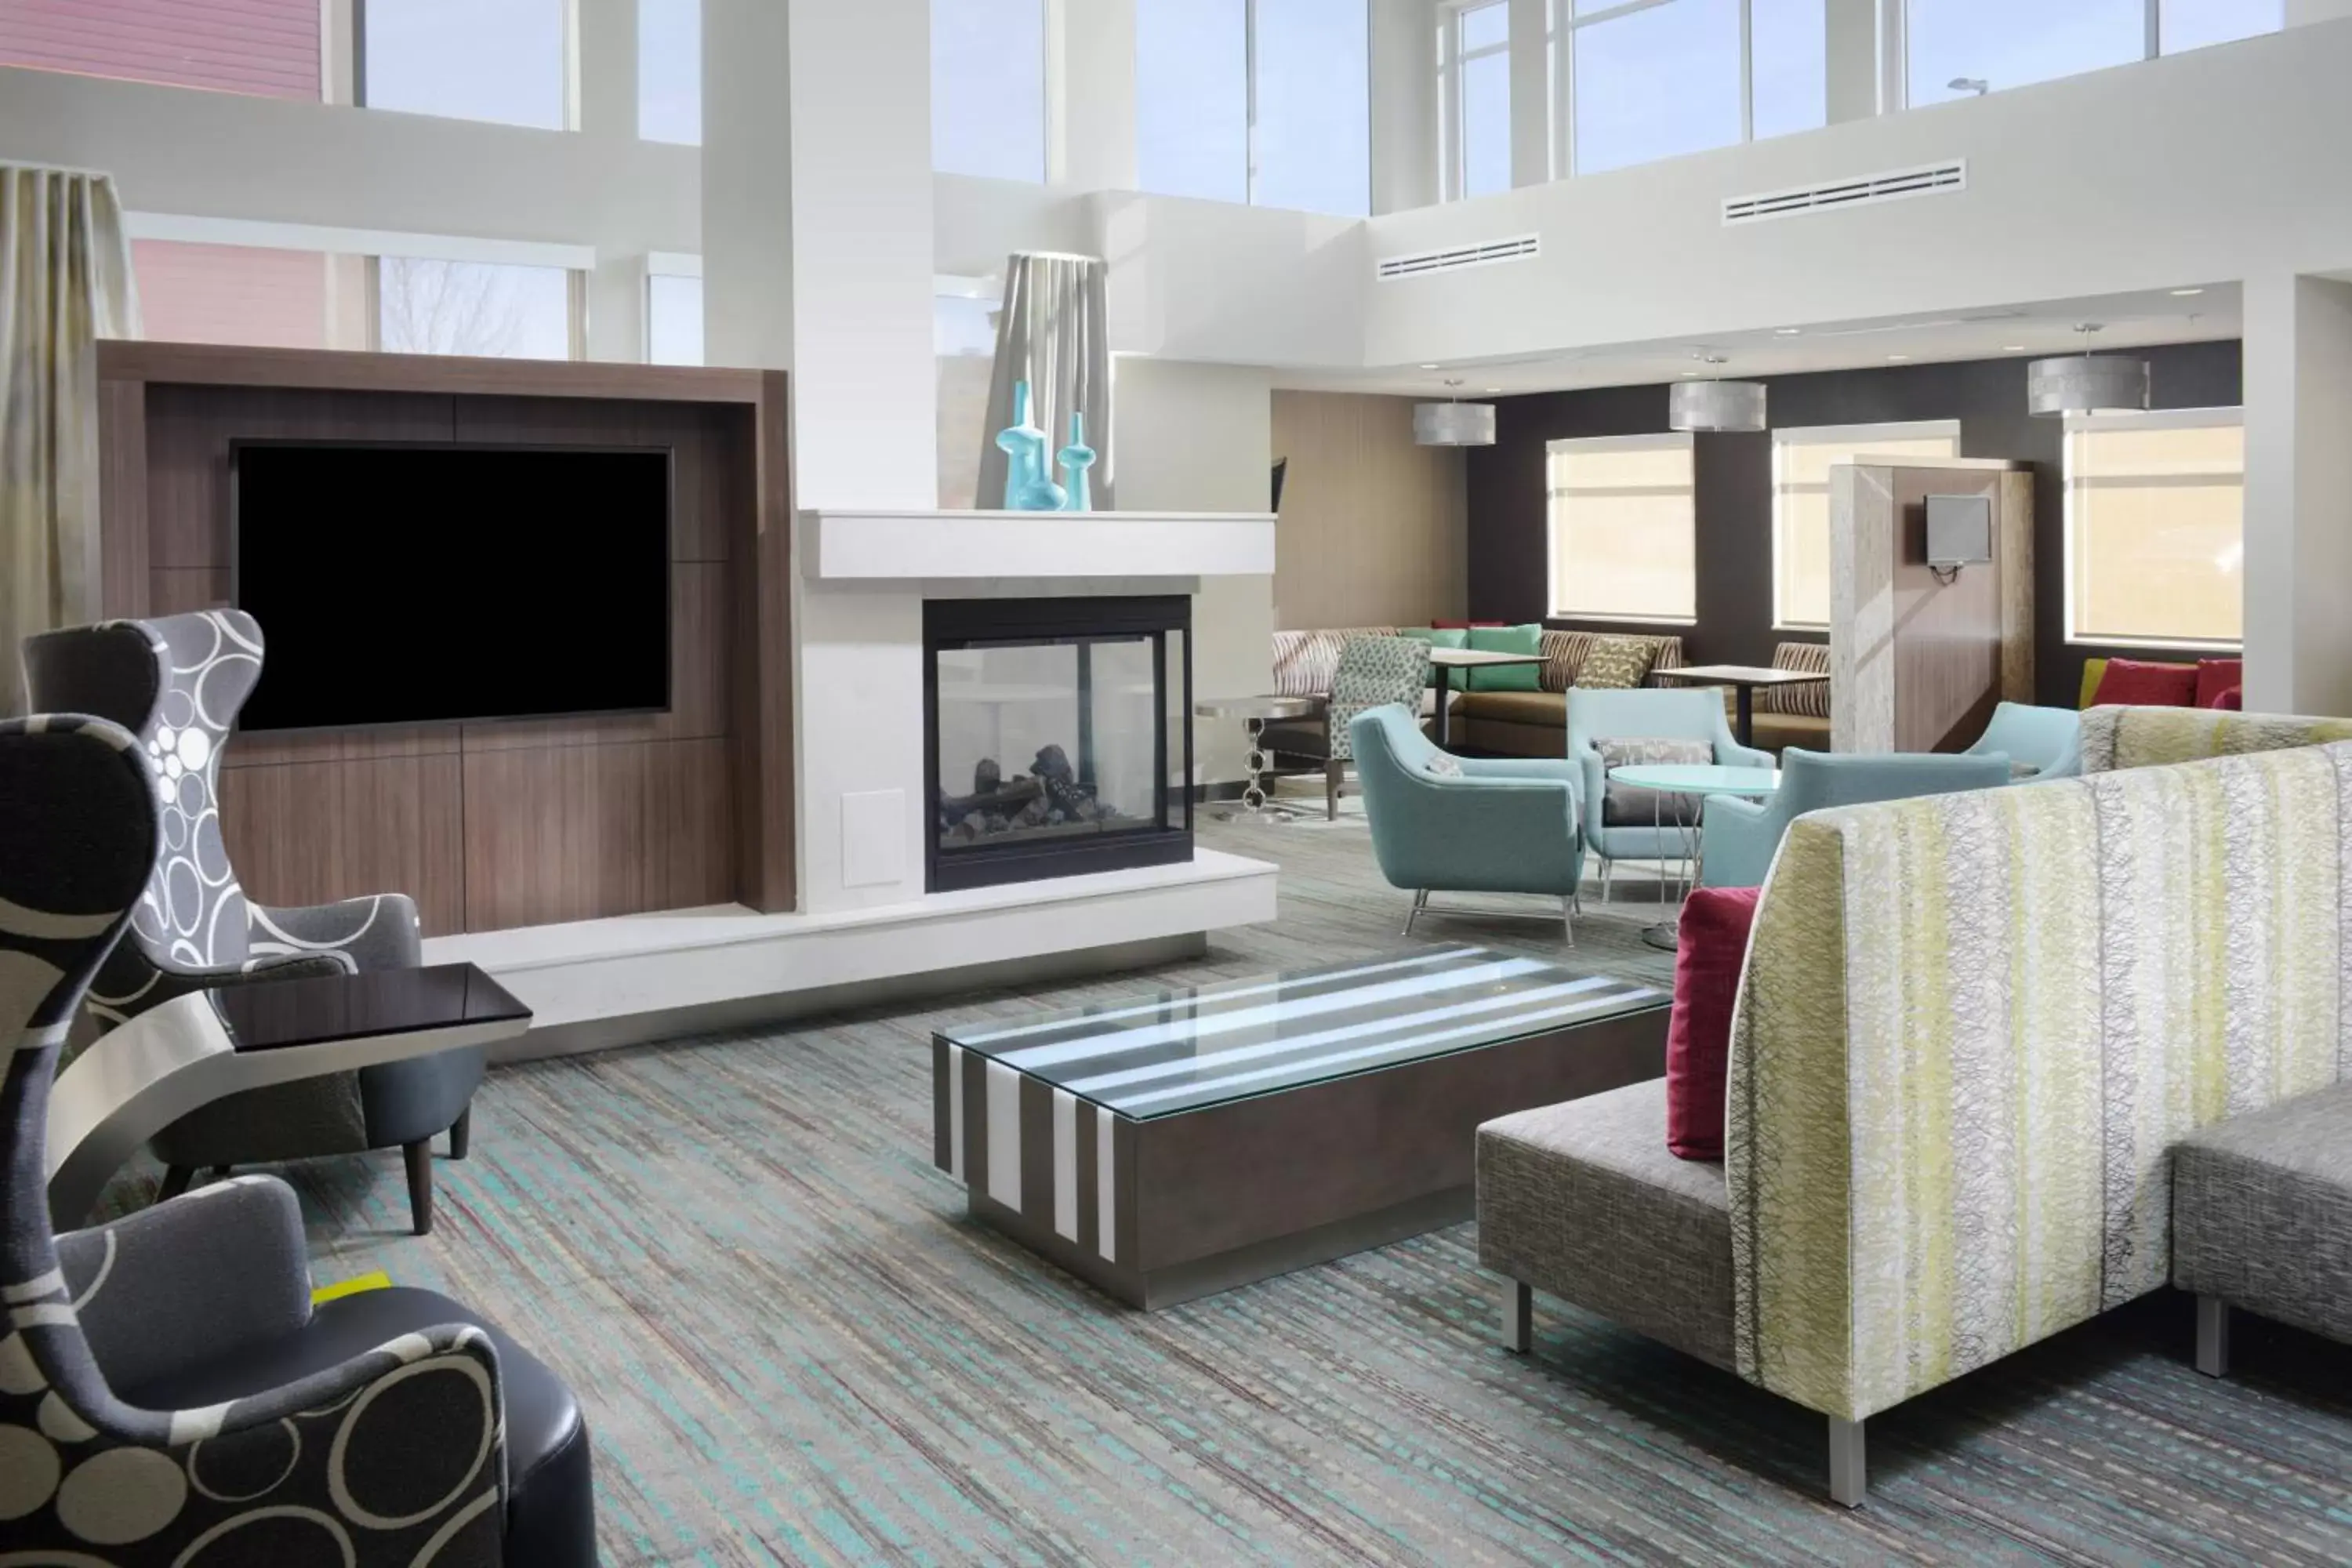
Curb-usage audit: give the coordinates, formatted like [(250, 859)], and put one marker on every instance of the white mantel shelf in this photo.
[(873, 546)]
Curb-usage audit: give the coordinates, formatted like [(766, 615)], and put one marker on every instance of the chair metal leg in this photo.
[(1518, 1316), (1568, 917), (1849, 1479), (419, 1156), (1607, 866), (461, 1133), (175, 1181), (2212, 1336), (1334, 770), (1420, 902)]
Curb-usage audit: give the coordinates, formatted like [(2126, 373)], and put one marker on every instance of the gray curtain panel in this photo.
[(65, 282), (1054, 334)]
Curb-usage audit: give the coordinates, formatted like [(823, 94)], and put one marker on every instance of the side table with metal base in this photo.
[(1697, 781), (1255, 713)]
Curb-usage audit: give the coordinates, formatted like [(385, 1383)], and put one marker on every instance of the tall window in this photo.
[(1474, 63), (490, 309), (988, 87), (1958, 47), (1266, 102), (2156, 528), (1801, 459), (269, 48), (1622, 529), (249, 295), (673, 320), (1656, 78), (669, 71), (499, 60)]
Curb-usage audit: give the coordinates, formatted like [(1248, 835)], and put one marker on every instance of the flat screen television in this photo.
[(416, 583), (1959, 530)]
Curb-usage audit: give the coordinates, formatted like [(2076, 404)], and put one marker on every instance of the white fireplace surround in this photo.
[(897, 546)]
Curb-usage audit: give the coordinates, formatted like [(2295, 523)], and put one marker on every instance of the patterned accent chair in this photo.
[(168, 1393), (1374, 672), (177, 683), (1957, 1081)]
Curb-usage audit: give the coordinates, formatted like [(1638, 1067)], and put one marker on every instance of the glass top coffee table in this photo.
[(1696, 779), (1184, 1142)]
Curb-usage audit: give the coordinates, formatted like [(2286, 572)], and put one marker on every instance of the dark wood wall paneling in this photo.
[(1733, 479), (498, 825)]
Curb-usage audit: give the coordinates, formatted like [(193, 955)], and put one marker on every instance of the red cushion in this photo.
[(1713, 949), (2216, 677), (2141, 683)]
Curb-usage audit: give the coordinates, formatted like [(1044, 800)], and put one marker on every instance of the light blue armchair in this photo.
[(1740, 837), (1643, 714), (2048, 739), (1498, 826)]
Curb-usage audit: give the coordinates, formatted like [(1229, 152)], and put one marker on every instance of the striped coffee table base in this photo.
[(1237, 1169)]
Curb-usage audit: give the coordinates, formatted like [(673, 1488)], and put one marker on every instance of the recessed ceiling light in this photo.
[(2012, 348), (1898, 357), (1694, 372), (1429, 367), (1494, 389), (1786, 331), (2185, 293)]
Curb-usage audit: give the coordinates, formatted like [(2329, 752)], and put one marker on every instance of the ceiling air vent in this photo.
[(1519, 248), (1929, 180)]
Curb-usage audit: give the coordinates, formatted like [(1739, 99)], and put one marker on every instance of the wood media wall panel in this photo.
[(488, 826)]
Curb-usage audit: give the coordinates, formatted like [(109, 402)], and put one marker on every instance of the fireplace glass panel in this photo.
[(1051, 741)]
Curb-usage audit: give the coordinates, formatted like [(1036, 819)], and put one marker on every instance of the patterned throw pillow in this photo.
[(1616, 664), (1628, 806), (1564, 652), (1442, 765)]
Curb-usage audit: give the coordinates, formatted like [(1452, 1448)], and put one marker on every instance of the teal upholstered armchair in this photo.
[(1466, 825), (1642, 713), (1740, 837), (2047, 740)]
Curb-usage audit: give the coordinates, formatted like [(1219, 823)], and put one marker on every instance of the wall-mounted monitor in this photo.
[(414, 583), (1959, 530)]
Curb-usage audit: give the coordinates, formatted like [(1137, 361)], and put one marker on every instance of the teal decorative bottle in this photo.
[(1077, 458), (1027, 485)]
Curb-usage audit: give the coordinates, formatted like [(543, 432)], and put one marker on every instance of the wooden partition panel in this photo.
[(488, 826), (1918, 663)]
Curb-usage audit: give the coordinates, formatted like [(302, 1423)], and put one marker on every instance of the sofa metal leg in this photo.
[(2212, 1336), (419, 1157), (1419, 903), (175, 1182), (461, 1133), (1518, 1314), (1848, 1477)]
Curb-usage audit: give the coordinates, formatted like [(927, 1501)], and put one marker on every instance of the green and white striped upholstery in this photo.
[(2115, 737), (1971, 1028)]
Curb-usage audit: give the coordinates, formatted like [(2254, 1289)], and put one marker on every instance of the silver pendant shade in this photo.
[(1714, 406), (2086, 384), (1453, 424)]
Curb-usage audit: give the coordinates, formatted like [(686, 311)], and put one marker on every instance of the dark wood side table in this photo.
[(1744, 679), (1446, 660)]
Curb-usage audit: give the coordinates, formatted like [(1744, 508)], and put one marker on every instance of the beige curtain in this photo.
[(1053, 334), (65, 282)]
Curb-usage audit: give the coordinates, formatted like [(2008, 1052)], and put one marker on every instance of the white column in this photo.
[(1090, 87), (2298, 405), (1530, 93), (1404, 105), (1853, 58), (605, 109)]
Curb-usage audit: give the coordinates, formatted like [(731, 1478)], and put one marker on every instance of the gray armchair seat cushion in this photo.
[(2262, 1212), (1584, 1201)]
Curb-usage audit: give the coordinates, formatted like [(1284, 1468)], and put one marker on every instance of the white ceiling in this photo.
[(2129, 321)]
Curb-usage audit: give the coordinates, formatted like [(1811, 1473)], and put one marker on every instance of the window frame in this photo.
[(1562, 26), (1785, 436), (1251, 158), (1654, 441), (572, 93), (2150, 419), (660, 264), (1454, 177), (2151, 49)]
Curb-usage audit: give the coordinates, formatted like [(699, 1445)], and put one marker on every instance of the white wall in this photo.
[(1237, 284), (1198, 437), (2298, 402)]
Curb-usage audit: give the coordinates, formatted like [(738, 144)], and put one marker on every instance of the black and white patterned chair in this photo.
[(177, 683), (168, 1393)]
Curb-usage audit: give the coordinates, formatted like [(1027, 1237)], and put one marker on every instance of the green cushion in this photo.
[(1450, 636), (1508, 640)]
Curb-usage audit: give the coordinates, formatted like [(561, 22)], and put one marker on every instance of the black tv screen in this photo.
[(418, 583)]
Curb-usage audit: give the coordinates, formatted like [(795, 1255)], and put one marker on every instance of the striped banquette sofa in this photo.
[(1971, 1030), (1501, 723)]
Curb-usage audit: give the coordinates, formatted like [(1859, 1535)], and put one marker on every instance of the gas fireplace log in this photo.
[(1001, 801)]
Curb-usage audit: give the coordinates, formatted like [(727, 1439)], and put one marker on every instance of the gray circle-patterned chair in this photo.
[(168, 1393), (177, 682)]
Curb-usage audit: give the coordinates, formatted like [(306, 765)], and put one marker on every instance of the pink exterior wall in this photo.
[(231, 294), (266, 48)]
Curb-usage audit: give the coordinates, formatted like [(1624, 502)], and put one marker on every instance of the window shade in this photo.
[(1801, 460), (2156, 528), (1621, 530)]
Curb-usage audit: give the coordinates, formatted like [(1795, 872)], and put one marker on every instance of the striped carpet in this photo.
[(794, 1348)]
